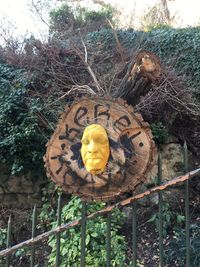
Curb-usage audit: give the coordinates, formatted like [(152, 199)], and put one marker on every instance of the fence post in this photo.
[(108, 240), (134, 228), (83, 233), (160, 204), (8, 243), (34, 221), (58, 234), (187, 215)]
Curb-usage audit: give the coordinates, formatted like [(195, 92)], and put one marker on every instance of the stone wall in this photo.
[(19, 191), (172, 163)]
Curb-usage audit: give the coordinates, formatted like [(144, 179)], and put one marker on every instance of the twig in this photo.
[(38, 13), (99, 88), (76, 88), (119, 47)]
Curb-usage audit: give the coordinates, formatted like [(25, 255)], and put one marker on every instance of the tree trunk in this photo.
[(164, 11), (144, 69)]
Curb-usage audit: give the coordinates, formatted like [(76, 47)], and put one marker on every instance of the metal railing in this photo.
[(108, 210)]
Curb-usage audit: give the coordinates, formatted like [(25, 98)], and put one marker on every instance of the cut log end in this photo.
[(144, 69), (148, 65)]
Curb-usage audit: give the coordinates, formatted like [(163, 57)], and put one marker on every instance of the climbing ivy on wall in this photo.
[(180, 49), (21, 140)]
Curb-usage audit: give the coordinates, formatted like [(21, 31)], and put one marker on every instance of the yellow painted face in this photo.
[(95, 148)]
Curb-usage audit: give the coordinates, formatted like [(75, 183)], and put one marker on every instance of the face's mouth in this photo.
[(95, 171), (93, 160), (94, 165)]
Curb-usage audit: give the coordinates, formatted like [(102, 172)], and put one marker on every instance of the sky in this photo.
[(17, 13), (23, 20)]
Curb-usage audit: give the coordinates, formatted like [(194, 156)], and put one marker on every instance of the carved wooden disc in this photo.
[(132, 149)]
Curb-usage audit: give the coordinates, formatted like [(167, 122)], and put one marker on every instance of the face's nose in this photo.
[(92, 147)]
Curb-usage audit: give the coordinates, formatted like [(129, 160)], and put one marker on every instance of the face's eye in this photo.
[(85, 141), (101, 140)]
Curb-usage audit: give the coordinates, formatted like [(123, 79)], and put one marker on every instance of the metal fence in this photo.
[(108, 211)]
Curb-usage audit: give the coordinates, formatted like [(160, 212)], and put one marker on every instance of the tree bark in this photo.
[(164, 11), (144, 69)]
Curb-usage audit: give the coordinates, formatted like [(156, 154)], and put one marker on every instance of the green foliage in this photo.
[(95, 239), (177, 250), (178, 48), (171, 219), (160, 132), (153, 27), (3, 238), (66, 21), (61, 19), (47, 214), (21, 142), (90, 16), (104, 39)]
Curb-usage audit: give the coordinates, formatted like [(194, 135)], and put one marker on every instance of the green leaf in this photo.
[(180, 218)]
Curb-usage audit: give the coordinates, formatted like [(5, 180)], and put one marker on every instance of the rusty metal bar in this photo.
[(134, 235), (8, 243), (120, 204), (58, 234), (34, 221), (160, 204), (108, 240), (83, 233), (187, 212)]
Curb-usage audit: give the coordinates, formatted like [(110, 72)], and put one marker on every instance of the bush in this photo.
[(21, 140), (171, 219), (91, 16), (3, 238), (177, 249), (95, 238), (66, 21), (61, 19)]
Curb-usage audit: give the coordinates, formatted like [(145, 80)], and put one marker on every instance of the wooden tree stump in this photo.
[(132, 150)]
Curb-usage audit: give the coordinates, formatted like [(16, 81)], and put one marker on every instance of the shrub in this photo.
[(21, 140), (177, 249), (91, 16), (67, 21), (3, 237), (95, 238), (61, 19), (171, 219)]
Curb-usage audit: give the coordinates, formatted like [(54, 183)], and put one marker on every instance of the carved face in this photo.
[(95, 148)]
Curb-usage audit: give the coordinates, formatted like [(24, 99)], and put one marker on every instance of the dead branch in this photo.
[(119, 46), (99, 89)]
